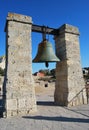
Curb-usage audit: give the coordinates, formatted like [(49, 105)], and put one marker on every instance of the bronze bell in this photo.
[(45, 53)]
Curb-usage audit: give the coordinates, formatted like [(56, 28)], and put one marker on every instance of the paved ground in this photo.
[(50, 117)]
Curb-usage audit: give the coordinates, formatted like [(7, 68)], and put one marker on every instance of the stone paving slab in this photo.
[(49, 117)]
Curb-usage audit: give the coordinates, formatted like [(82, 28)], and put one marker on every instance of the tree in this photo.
[(2, 71), (87, 75), (53, 72)]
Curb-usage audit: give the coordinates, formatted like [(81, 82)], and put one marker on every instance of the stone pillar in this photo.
[(70, 86), (18, 84)]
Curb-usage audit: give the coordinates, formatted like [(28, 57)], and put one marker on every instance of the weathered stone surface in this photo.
[(19, 18), (70, 86), (19, 81), (69, 29)]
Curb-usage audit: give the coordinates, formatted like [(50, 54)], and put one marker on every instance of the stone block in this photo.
[(21, 103), (11, 104), (19, 18)]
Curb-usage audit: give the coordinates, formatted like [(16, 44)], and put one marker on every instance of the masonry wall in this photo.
[(19, 87), (70, 86)]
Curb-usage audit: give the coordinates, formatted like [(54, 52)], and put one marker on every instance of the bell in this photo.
[(45, 53)]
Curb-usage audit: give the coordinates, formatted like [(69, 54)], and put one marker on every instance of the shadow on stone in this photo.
[(79, 111), (1, 108), (45, 103), (61, 119)]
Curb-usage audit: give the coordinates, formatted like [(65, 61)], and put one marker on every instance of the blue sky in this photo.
[(52, 13)]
